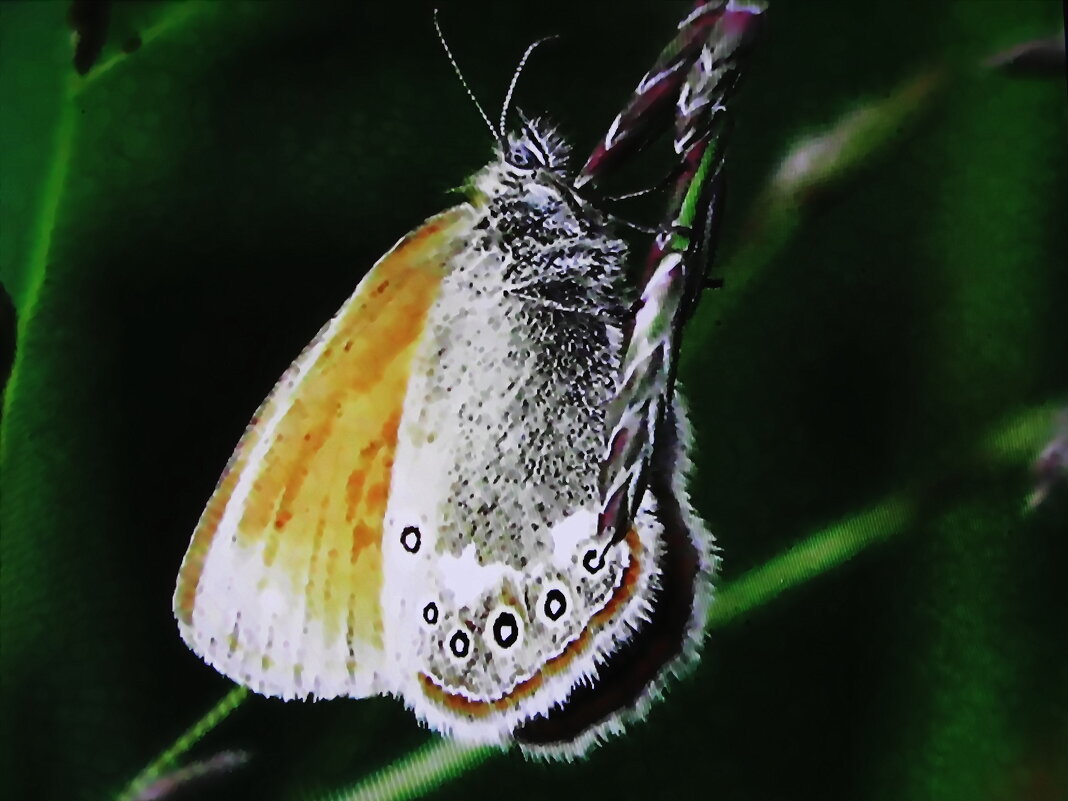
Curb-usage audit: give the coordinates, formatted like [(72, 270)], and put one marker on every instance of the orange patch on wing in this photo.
[(307, 486), (557, 664)]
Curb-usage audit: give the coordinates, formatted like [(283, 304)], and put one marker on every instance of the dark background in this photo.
[(178, 223)]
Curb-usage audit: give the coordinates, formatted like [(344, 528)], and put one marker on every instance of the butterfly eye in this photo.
[(410, 539), (505, 630), (519, 157), (525, 154), (555, 604), (460, 645), (430, 613)]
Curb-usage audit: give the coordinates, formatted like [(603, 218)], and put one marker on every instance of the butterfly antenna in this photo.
[(456, 67), (515, 78)]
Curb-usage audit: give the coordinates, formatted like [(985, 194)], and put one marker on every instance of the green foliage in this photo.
[(869, 388)]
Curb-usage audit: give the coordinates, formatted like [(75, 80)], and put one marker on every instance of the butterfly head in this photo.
[(535, 145)]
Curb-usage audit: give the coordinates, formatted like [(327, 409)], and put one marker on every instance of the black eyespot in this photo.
[(555, 604), (593, 561), (410, 539), (505, 630), (460, 644), (430, 613)]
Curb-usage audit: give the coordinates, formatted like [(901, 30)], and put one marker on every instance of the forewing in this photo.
[(280, 587)]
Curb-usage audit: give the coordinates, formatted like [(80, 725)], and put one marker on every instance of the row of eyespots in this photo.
[(505, 626)]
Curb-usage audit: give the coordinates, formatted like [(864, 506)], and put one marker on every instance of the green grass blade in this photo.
[(157, 767)]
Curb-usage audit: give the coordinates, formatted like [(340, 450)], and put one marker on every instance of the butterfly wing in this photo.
[(280, 587)]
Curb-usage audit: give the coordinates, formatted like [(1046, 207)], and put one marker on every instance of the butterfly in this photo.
[(425, 505)]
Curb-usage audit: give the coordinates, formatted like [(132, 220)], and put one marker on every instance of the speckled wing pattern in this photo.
[(280, 587)]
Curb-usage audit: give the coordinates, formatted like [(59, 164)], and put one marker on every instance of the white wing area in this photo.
[(281, 586)]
